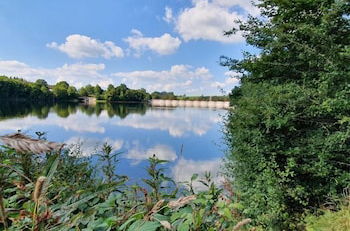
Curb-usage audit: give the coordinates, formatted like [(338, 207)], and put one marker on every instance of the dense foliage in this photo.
[(123, 93), (62, 191), (14, 88), (120, 93), (19, 89), (290, 129), (62, 91)]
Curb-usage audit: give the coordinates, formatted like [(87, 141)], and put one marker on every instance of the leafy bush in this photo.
[(62, 192), (289, 132)]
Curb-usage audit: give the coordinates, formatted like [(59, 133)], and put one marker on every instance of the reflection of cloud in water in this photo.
[(184, 169), (161, 151), (90, 146), (75, 122), (176, 121)]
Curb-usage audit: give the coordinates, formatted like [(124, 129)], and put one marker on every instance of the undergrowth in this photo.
[(62, 191)]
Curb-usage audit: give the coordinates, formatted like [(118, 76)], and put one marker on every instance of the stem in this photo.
[(35, 217), (3, 215), (18, 172)]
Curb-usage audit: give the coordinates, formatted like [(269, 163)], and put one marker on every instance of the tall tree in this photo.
[(98, 91), (60, 90), (290, 130)]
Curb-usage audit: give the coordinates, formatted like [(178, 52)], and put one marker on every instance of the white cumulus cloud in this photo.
[(78, 74), (182, 79), (208, 19), (163, 45), (231, 80), (80, 46)]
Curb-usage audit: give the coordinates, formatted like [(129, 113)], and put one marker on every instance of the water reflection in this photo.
[(184, 169), (90, 146), (41, 110), (22, 109), (177, 122), (184, 136), (164, 152)]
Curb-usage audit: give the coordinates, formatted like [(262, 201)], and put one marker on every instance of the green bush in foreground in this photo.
[(62, 192), (289, 132)]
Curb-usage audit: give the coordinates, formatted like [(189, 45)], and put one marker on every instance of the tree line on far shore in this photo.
[(20, 89), (40, 90)]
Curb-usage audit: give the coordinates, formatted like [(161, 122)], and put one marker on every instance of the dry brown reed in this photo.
[(182, 201), (166, 224), (241, 224), (156, 207), (39, 188), (3, 215), (24, 144), (154, 210)]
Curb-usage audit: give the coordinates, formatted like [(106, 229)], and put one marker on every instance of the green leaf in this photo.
[(194, 177), (142, 225)]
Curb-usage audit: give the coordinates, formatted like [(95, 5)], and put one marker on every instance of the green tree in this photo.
[(83, 92), (16, 88), (60, 90), (98, 91), (90, 89), (122, 90), (62, 84), (72, 92), (290, 130), (42, 82), (110, 93)]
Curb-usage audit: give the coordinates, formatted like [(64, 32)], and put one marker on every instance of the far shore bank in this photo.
[(151, 102), (190, 103)]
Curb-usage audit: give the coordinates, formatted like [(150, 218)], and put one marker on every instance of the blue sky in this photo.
[(171, 45)]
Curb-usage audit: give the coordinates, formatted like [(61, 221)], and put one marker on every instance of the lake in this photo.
[(190, 138)]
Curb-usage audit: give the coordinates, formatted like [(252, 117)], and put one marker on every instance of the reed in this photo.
[(24, 144), (182, 201), (241, 224), (3, 214), (39, 189)]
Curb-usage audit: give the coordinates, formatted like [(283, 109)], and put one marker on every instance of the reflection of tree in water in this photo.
[(123, 110), (64, 109), (11, 109), (22, 109)]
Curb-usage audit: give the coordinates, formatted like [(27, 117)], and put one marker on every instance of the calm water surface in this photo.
[(190, 138)]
